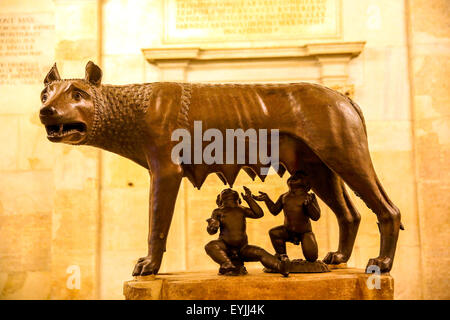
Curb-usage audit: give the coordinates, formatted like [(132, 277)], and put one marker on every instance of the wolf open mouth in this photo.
[(65, 129)]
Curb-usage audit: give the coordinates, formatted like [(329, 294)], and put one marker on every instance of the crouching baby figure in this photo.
[(231, 250), (299, 208)]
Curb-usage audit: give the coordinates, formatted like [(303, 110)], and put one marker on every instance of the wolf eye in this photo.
[(44, 97), (76, 96)]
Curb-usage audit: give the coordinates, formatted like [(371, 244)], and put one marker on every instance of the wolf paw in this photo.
[(335, 258), (146, 266), (383, 263)]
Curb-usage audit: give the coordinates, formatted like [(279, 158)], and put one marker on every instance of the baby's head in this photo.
[(299, 180), (228, 194)]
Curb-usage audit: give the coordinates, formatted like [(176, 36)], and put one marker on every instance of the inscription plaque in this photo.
[(235, 20), (26, 47)]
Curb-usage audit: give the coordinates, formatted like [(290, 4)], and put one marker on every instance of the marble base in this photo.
[(303, 266), (339, 284)]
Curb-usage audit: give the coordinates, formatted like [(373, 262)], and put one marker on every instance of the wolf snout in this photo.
[(49, 115), (48, 111)]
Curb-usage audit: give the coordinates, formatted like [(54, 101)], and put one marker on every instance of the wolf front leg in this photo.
[(165, 183)]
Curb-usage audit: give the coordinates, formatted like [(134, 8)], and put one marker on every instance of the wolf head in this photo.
[(68, 105)]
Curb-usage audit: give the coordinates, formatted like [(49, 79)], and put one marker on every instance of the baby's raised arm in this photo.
[(255, 210), (274, 208)]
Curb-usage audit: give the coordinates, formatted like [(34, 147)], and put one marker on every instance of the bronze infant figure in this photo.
[(231, 250), (299, 207), (321, 132)]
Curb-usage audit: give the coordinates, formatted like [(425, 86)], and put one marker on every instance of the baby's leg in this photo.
[(217, 250), (254, 253), (279, 236), (309, 246)]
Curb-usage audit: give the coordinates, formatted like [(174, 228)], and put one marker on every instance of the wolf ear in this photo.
[(93, 73), (219, 200), (52, 75)]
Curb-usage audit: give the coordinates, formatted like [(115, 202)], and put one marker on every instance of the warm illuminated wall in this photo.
[(429, 39), (62, 206), (49, 222), (26, 184)]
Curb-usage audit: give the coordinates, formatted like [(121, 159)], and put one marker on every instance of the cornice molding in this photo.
[(193, 54)]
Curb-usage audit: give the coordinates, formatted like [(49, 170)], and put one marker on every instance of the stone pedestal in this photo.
[(340, 284)]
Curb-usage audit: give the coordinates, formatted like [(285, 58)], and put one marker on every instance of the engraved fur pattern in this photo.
[(119, 118), (183, 115)]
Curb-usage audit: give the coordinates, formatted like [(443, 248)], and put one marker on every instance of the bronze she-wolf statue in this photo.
[(321, 132)]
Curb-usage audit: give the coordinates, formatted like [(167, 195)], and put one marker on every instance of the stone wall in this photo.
[(429, 41), (78, 213), (26, 183)]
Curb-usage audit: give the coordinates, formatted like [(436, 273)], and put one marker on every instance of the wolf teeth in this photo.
[(61, 133)]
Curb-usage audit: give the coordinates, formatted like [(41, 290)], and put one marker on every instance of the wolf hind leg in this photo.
[(331, 189)]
